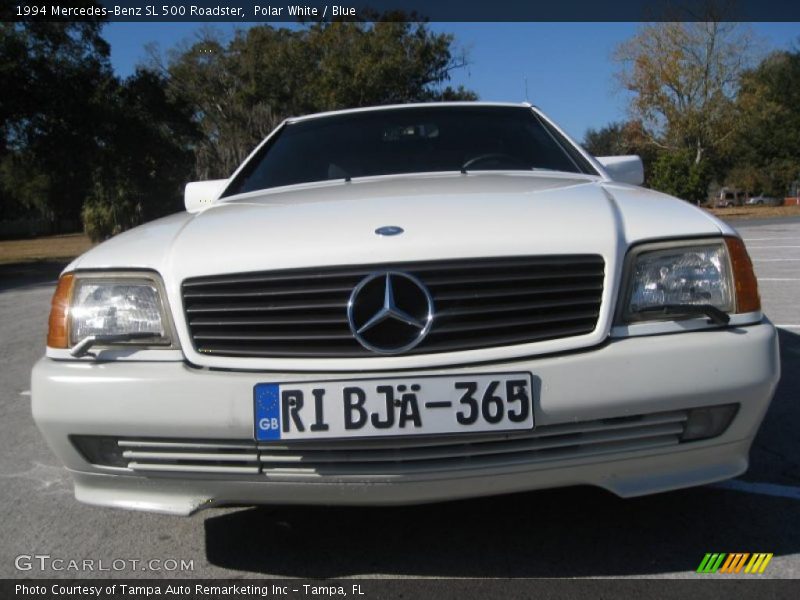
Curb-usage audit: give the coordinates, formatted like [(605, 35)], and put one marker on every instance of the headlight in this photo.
[(112, 308), (669, 280), (679, 276)]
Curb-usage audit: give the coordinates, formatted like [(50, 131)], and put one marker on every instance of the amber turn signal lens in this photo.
[(58, 330), (747, 298)]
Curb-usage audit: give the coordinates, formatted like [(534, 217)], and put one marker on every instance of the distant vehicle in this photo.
[(762, 200), (729, 197)]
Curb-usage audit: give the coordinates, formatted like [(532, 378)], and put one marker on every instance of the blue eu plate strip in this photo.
[(268, 412)]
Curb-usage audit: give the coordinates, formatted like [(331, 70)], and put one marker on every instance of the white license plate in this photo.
[(393, 407)]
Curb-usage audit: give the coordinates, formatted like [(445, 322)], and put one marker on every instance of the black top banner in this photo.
[(250, 11)]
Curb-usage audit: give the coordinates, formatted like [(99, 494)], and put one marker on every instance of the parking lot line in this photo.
[(779, 278), (784, 326), (776, 259), (765, 489), (769, 247), (768, 239)]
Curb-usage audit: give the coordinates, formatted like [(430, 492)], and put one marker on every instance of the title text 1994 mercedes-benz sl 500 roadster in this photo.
[(408, 304)]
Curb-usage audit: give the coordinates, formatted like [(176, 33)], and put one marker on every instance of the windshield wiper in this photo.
[(497, 157), (715, 315), (83, 346)]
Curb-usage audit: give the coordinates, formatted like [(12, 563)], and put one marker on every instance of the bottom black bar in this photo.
[(372, 589)]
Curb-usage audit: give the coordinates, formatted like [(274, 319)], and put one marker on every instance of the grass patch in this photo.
[(52, 247), (756, 212)]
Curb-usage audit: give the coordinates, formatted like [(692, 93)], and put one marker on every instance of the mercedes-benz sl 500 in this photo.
[(408, 304)]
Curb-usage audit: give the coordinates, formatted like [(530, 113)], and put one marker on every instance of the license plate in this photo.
[(393, 407)]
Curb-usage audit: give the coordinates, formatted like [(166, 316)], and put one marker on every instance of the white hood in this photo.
[(443, 216)]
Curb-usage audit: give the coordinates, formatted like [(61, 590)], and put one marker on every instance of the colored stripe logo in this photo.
[(735, 563)]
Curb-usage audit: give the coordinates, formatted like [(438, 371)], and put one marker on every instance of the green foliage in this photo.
[(622, 138), (71, 128), (389, 62), (683, 78), (678, 174), (767, 154), (711, 115), (109, 212), (24, 189), (607, 141), (146, 146), (241, 89), (78, 142), (144, 158), (52, 75)]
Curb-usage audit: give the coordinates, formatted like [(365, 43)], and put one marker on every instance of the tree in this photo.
[(388, 62), (683, 78), (609, 140), (78, 143), (680, 175), (144, 157), (768, 143), (241, 89), (621, 138), (52, 75)]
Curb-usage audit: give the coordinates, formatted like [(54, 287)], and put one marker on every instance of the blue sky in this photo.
[(568, 66)]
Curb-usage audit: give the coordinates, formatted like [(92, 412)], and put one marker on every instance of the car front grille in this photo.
[(412, 455), (479, 303)]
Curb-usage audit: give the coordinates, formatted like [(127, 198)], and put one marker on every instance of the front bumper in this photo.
[(623, 378)]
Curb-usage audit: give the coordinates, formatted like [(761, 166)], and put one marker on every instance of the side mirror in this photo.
[(201, 194), (625, 169)]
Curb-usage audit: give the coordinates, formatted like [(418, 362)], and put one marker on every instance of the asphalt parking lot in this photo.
[(576, 532)]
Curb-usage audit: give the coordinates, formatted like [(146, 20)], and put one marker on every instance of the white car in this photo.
[(408, 304)]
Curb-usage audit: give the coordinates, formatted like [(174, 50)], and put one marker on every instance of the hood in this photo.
[(452, 216), (443, 216)]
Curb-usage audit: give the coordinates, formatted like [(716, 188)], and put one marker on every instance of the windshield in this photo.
[(408, 140)]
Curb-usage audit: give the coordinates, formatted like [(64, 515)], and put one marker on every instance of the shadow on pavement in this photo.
[(556, 533), (560, 533), (775, 456), (30, 274)]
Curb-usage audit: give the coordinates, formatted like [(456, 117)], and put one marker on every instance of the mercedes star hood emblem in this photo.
[(389, 230)]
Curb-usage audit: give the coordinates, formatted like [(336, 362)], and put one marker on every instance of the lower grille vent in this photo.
[(396, 457)]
